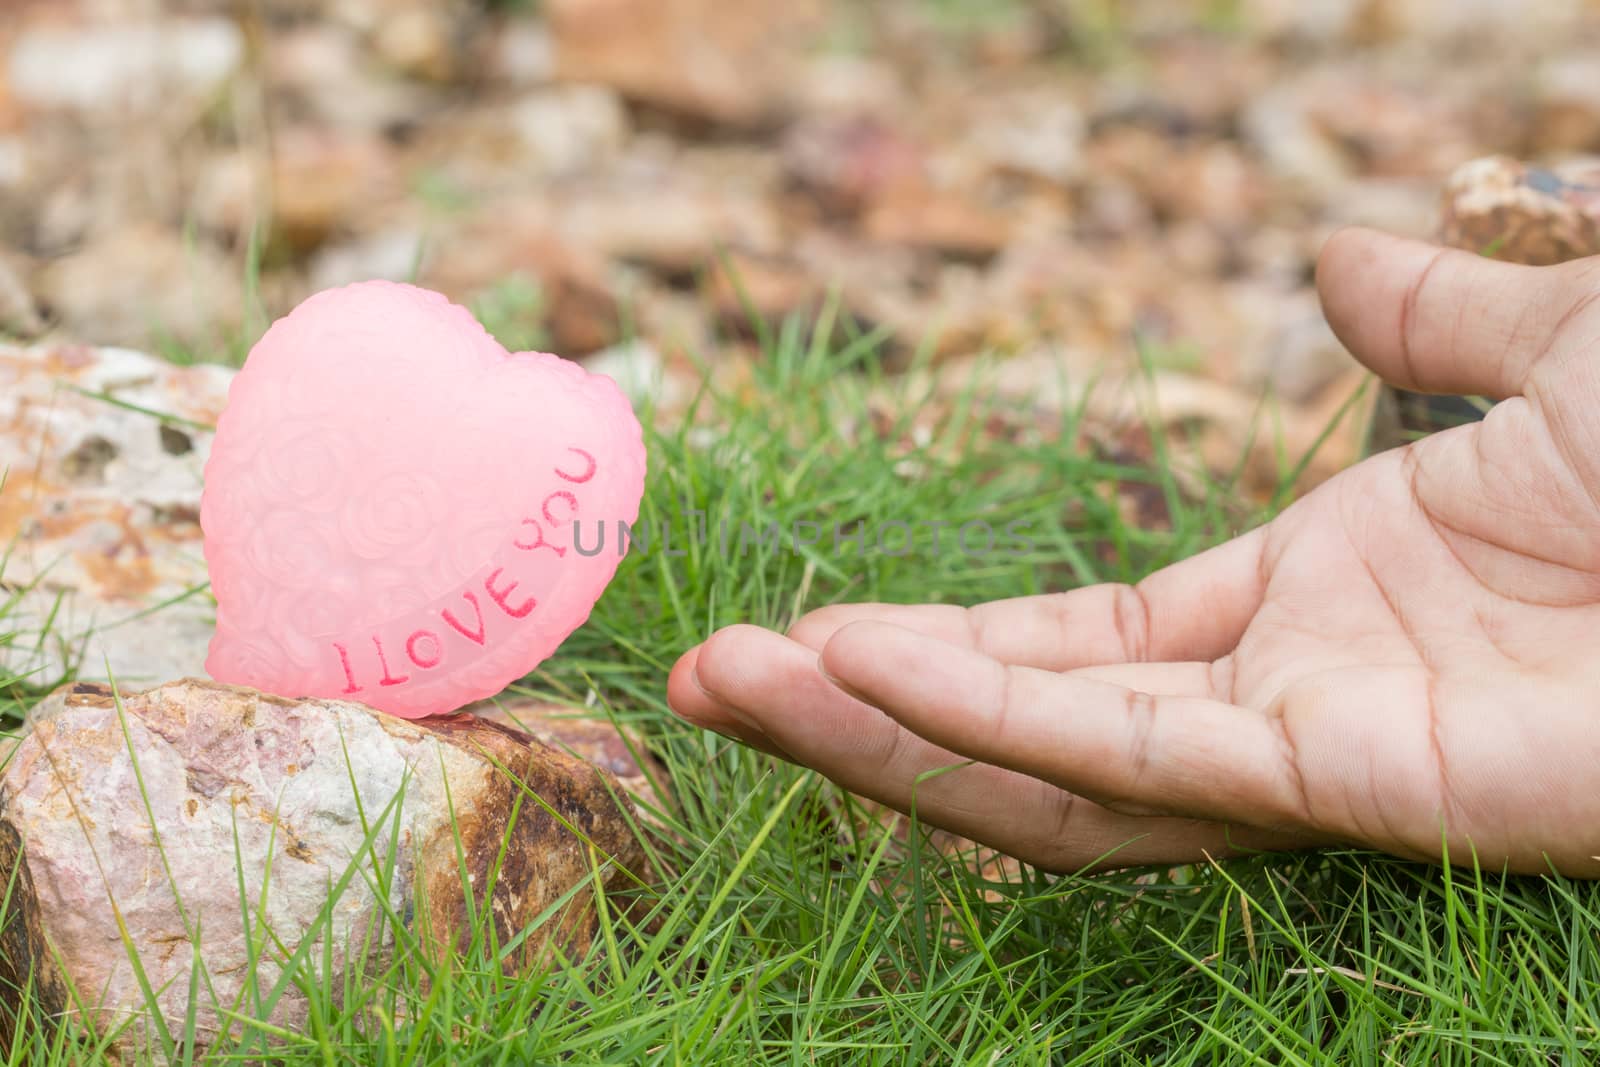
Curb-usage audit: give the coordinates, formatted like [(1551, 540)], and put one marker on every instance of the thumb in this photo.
[(1440, 320)]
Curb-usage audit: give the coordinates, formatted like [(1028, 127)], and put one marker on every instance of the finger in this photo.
[(692, 703), (1196, 609), (775, 683), (1439, 320), (1126, 748)]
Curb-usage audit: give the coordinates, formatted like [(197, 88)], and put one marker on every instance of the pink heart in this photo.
[(399, 512)]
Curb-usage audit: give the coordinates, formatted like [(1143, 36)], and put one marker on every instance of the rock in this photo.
[(325, 184), (523, 53), (144, 284), (1284, 341), (570, 129), (1436, 22), (1523, 214), (1036, 133), (1566, 115), (229, 194), (1309, 20), (1206, 181), (1407, 207), (1338, 122), (848, 162), (843, 84), (706, 59), (649, 379), (1298, 152), (1220, 424), (19, 315), (232, 785), (1198, 83), (323, 73), (770, 287), (13, 161), (622, 754), (398, 255), (100, 506), (515, 239), (876, 284), (945, 220), (1503, 25), (418, 41), (672, 223), (111, 69)]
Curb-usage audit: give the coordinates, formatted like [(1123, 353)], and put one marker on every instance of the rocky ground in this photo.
[(1081, 188), (633, 180)]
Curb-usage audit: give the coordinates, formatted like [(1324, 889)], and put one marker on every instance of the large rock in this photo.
[(710, 60), (103, 449), (619, 751), (232, 786)]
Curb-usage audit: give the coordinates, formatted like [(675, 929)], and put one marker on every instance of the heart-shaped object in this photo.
[(399, 512)]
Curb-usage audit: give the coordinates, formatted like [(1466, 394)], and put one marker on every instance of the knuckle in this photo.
[(1131, 618), (1141, 708)]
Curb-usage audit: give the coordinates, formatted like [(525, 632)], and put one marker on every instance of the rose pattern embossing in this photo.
[(389, 503)]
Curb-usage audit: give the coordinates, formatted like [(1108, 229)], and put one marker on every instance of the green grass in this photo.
[(796, 928)]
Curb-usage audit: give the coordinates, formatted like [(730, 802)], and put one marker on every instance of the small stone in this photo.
[(142, 284), (19, 314), (170, 803), (1407, 207), (114, 68), (1500, 207), (1566, 115), (1310, 20), (944, 220), (1504, 25), (513, 240), (324, 73), (649, 380), (228, 194), (13, 161), (396, 255), (1284, 341), (1038, 134), (523, 53), (672, 223), (845, 85), (769, 287), (848, 162), (706, 59), (321, 183), (571, 129), (1298, 151), (416, 41)]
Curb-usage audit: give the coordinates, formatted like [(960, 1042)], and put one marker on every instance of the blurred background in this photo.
[(1070, 184)]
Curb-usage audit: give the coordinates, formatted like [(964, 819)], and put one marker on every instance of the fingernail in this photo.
[(742, 729), (732, 712), (694, 676), (839, 683)]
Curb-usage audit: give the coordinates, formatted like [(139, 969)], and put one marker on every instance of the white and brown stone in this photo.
[(235, 788)]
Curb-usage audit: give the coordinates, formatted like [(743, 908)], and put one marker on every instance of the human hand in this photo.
[(1406, 658)]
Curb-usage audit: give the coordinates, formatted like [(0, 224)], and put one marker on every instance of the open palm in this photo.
[(1409, 657)]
